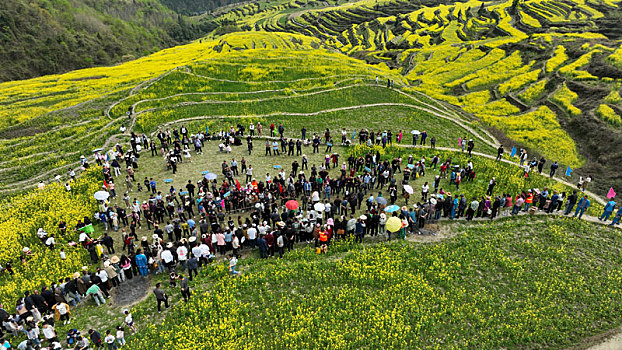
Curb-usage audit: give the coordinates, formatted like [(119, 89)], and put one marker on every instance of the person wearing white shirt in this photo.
[(196, 251), (50, 242), (252, 236), (261, 229), (249, 173), (110, 340), (83, 237), (182, 255), (235, 244), (381, 222), (42, 234), (205, 253), (103, 275), (48, 332), (167, 257)]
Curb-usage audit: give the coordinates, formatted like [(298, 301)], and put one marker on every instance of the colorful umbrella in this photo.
[(391, 208), (394, 224), (291, 205)]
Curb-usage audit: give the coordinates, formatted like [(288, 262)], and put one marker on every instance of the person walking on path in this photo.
[(609, 208), (584, 203), (554, 167), (616, 219), (161, 296), (499, 153), (570, 203)]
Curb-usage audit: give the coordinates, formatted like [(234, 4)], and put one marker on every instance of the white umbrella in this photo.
[(315, 196), (319, 207), (415, 132), (101, 195), (210, 176), (408, 189)]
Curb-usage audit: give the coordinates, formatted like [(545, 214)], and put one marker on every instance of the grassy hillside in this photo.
[(546, 74), (51, 36), (238, 78)]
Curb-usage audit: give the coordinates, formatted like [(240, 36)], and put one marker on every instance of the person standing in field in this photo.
[(185, 287), (161, 296)]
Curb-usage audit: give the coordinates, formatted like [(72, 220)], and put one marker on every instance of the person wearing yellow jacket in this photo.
[(61, 312)]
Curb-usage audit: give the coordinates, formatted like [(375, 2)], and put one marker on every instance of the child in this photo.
[(62, 254), (233, 261), (129, 321), (173, 276), (120, 336), (110, 341)]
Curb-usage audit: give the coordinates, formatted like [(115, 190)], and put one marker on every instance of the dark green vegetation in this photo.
[(53, 36), (195, 7)]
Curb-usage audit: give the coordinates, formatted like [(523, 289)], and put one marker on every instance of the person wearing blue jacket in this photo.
[(609, 208), (584, 203), (141, 262), (616, 219)]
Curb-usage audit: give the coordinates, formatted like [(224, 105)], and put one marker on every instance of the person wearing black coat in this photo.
[(48, 295), (28, 302), (39, 302)]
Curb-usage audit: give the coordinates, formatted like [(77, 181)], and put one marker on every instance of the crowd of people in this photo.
[(189, 227)]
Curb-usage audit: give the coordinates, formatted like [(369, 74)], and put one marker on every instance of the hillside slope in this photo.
[(46, 37), (542, 75)]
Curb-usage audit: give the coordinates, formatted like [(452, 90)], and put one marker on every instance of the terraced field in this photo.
[(221, 83), (544, 73), (541, 75)]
